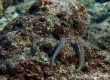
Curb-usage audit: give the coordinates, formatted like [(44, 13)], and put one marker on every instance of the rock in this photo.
[(1, 8), (28, 43), (88, 3)]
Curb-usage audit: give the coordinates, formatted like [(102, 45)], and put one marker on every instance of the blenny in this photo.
[(81, 55)]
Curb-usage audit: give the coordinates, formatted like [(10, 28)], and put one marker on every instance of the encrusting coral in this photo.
[(29, 43)]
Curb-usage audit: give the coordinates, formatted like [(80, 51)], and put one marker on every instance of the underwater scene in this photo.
[(54, 39)]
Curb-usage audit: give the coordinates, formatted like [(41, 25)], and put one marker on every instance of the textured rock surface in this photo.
[(28, 43), (100, 27), (88, 3), (9, 11)]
